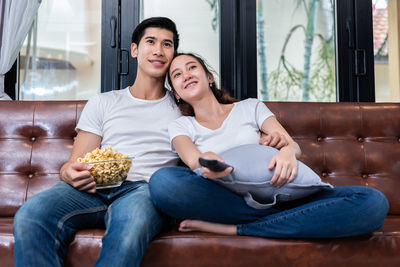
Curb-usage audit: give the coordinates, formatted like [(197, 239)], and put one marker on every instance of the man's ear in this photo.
[(134, 50), (210, 78)]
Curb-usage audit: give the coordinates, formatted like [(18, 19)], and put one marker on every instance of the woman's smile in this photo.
[(190, 84)]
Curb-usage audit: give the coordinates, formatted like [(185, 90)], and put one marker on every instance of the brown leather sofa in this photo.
[(345, 143)]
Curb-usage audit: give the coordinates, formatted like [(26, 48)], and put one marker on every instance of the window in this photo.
[(60, 58), (197, 22), (296, 55), (381, 34), (344, 72), (387, 62), (259, 48)]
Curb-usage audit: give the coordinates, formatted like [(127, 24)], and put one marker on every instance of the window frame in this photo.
[(238, 49), (355, 77), (11, 84), (354, 51)]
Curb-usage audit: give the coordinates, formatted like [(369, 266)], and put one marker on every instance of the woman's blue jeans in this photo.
[(46, 223), (334, 212)]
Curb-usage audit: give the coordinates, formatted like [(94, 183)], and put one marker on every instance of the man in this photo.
[(134, 122)]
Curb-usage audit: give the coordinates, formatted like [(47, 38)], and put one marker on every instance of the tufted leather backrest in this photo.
[(345, 143), (35, 140), (348, 143)]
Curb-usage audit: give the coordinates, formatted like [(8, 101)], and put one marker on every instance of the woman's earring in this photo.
[(210, 84), (177, 100)]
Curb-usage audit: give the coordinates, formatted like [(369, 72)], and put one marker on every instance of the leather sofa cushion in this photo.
[(182, 249)]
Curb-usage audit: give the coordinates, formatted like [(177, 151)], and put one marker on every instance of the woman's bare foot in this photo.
[(203, 226)]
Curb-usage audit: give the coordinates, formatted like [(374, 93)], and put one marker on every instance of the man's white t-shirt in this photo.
[(241, 127), (133, 127)]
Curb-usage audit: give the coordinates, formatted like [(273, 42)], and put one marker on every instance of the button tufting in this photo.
[(33, 139), (324, 174), (319, 139), (360, 139), (30, 176), (365, 176)]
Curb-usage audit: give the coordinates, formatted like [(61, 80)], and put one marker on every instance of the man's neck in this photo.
[(147, 88)]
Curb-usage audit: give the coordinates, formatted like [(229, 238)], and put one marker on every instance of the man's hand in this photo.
[(210, 174), (78, 176), (274, 139)]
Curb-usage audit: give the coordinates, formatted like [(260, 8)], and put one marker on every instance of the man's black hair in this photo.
[(156, 22)]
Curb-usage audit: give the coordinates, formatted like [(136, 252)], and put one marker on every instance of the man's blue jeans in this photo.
[(338, 212), (46, 223)]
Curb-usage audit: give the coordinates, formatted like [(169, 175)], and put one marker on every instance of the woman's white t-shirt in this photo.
[(133, 127), (242, 126)]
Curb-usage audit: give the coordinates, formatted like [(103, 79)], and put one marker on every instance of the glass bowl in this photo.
[(110, 173)]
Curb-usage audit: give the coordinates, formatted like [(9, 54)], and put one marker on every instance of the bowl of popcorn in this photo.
[(109, 167)]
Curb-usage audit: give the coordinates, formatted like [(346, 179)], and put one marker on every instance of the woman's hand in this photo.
[(210, 174), (285, 164)]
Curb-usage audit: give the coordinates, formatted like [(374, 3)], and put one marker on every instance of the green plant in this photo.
[(316, 81)]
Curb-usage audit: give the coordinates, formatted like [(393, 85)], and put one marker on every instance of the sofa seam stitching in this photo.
[(30, 157), (363, 144), (325, 167)]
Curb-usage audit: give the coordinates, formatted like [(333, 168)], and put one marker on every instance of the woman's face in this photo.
[(189, 79)]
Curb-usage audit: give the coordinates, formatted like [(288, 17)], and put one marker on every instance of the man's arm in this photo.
[(77, 174)]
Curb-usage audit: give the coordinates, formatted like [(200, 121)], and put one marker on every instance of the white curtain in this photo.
[(16, 20)]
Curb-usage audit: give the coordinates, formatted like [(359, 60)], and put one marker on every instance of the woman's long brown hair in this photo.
[(221, 95)]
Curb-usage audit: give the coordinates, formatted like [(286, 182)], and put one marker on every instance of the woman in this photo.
[(211, 123)]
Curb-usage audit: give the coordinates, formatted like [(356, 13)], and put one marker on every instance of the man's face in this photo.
[(154, 52)]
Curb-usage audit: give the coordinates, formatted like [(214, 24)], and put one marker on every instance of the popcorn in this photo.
[(107, 173)]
